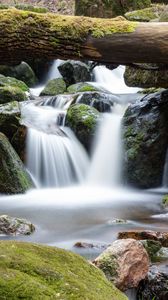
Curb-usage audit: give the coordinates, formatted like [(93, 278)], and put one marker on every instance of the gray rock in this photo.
[(15, 226)]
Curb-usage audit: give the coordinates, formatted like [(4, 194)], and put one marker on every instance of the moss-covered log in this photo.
[(26, 34)]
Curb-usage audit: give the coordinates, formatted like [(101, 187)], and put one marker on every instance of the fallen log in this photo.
[(31, 35)]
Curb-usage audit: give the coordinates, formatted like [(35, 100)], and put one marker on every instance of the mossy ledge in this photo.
[(33, 271)]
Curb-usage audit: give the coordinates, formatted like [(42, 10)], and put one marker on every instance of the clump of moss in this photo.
[(13, 82), (32, 271), (82, 87), (10, 94)]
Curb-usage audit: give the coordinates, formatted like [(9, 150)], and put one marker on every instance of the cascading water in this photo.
[(55, 158), (106, 166)]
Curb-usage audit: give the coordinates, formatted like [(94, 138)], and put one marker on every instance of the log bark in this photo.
[(48, 36)]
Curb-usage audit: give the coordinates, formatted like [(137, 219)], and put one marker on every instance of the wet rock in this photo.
[(152, 247), (154, 286), (161, 237), (33, 271), (15, 226), (162, 255), (145, 133), (86, 245), (74, 71), (125, 263), (54, 87), (13, 175), (21, 72), (99, 100), (83, 87), (18, 142), (146, 78), (82, 119)]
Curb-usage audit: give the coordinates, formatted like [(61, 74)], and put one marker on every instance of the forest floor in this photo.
[(58, 6)]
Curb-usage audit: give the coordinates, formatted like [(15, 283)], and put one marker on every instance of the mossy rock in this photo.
[(54, 87), (165, 201), (82, 87), (21, 72), (107, 9), (152, 247), (13, 176), (10, 94), (147, 14), (146, 78), (33, 271), (164, 15), (145, 132), (82, 119), (13, 82), (9, 118)]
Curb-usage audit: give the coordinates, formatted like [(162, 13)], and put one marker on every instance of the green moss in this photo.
[(13, 82), (32, 271), (152, 247), (10, 93), (82, 119), (81, 87), (67, 27), (150, 91), (54, 87), (27, 7)]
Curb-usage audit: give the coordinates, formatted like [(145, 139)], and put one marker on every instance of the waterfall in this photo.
[(105, 167), (55, 160)]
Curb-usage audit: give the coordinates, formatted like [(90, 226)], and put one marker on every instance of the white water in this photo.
[(55, 160)]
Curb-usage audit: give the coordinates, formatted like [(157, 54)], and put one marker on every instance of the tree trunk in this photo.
[(49, 36)]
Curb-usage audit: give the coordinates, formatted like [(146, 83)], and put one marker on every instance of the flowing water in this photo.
[(78, 197)]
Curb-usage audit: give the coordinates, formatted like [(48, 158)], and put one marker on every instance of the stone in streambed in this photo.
[(82, 119), (10, 94), (86, 245), (83, 87), (33, 271), (125, 263), (54, 87), (74, 71), (21, 72), (13, 175), (145, 131), (15, 226)]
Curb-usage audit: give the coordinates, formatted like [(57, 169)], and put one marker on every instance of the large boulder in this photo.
[(125, 263), (146, 78), (33, 271), (154, 286), (10, 94), (99, 100), (13, 176), (146, 140), (82, 119), (54, 87), (22, 72), (107, 9), (74, 71), (15, 226), (13, 82)]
